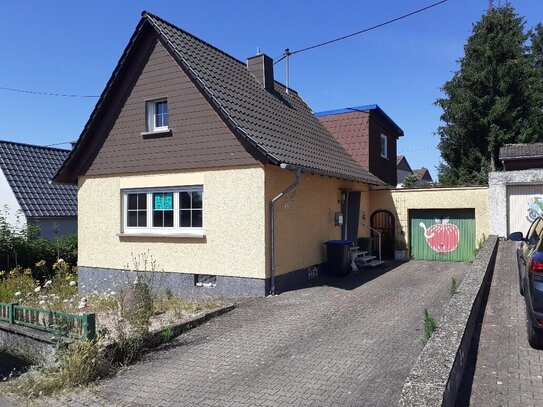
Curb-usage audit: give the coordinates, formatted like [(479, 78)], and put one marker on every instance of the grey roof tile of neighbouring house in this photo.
[(521, 151), (279, 124), (29, 170)]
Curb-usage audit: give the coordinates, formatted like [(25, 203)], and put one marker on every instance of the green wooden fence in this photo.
[(78, 326)]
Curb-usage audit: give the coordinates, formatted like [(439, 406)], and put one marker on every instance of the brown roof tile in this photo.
[(279, 124)]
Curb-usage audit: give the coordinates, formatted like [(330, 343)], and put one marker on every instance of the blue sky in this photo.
[(72, 47)]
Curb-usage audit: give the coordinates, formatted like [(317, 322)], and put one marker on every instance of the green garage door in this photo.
[(442, 234)]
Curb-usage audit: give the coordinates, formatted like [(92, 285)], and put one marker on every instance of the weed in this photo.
[(454, 287), (79, 364), (166, 335), (430, 325)]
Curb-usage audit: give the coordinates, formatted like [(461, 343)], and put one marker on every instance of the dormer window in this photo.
[(157, 115), (384, 146)]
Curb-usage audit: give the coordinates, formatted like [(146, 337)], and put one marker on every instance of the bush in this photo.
[(22, 247)]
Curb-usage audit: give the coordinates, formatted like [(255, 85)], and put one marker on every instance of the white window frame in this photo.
[(151, 111), (150, 230), (383, 147)]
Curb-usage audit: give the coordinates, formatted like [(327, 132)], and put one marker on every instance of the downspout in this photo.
[(298, 173)]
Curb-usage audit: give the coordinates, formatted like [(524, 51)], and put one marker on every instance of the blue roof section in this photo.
[(363, 108), (29, 170)]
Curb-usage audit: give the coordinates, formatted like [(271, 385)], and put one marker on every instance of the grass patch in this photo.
[(454, 287), (430, 325)]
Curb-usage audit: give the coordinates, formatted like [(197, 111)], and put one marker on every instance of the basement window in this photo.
[(205, 280), (157, 115)]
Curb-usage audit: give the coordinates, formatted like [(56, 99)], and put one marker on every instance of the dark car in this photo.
[(530, 267)]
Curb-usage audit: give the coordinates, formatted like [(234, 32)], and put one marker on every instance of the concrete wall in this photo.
[(497, 194), (305, 217), (29, 344), (9, 206), (400, 201), (234, 224)]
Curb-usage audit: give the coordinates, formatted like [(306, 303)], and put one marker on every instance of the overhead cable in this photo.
[(47, 93), (284, 55)]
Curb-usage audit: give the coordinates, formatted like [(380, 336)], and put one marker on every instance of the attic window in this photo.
[(384, 146), (157, 115)]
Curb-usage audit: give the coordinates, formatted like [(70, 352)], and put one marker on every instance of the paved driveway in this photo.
[(348, 345), (503, 369)]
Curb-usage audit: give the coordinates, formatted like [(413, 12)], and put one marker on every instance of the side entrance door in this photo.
[(351, 214)]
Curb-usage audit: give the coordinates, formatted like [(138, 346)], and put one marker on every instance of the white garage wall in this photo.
[(497, 195)]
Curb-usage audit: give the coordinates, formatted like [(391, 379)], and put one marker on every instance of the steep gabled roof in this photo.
[(423, 174), (29, 170), (279, 125), (521, 151)]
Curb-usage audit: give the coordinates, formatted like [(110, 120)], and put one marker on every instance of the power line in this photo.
[(284, 55), (47, 93), (59, 144)]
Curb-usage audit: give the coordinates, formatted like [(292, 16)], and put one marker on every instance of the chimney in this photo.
[(261, 66)]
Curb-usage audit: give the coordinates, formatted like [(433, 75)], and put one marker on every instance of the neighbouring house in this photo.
[(423, 175), (403, 170), (217, 176), (27, 194), (516, 192), (369, 135)]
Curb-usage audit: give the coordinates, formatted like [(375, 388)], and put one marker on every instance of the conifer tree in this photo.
[(495, 98)]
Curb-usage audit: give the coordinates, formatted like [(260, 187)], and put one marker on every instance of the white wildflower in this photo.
[(72, 283), (42, 302), (113, 293), (83, 303), (18, 293), (37, 289), (48, 283), (65, 301)]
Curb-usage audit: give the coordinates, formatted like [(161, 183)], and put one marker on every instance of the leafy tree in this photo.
[(410, 181), (495, 98)]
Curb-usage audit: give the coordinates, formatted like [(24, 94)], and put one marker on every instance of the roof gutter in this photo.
[(297, 172)]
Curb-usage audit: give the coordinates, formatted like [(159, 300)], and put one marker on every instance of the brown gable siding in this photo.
[(199, 137), (351, 130), (383, 168)]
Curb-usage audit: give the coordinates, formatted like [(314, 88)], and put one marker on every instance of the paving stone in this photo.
[(503, 368), (350, 343)]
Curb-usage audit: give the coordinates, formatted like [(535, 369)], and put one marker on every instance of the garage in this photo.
[(442, 234), (524, 204)]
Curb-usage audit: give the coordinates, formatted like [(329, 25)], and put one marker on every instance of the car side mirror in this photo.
[(516, 237)]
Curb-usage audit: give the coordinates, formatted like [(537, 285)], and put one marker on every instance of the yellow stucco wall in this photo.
[(400, 201), (304, 219), (234, 224)]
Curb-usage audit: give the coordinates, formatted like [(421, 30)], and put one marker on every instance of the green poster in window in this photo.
[(168, 202), (163, 202), (159, 202)]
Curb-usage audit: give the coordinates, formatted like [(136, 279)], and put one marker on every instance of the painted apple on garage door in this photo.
[(442, 237)]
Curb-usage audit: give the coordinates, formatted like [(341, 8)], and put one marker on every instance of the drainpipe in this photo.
[(297, 172)]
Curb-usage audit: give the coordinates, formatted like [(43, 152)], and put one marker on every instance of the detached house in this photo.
[(27, 194), (211, 167)]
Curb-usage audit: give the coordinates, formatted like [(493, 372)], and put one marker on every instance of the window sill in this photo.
[(194, 235), (156, 134)]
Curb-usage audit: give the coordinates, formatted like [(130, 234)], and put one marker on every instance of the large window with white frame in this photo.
[(176, 210)]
